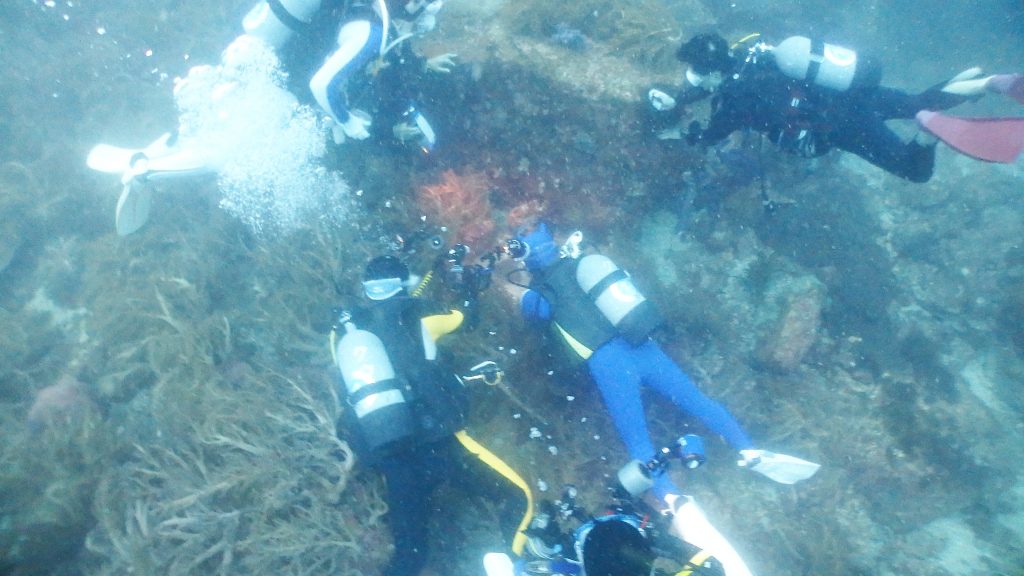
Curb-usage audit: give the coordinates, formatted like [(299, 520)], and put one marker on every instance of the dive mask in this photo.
[(710, 81), (382, 288)]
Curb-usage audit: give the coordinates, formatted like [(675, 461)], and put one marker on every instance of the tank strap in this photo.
[(814, 66), (286, 17), (607, 281), (499, 466), (369, 390)]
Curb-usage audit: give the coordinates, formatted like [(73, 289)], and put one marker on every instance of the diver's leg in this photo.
[(868, 137), (663, 375), (358, 42), (618, 379), (889, 103), (616, 372), (411, 478)]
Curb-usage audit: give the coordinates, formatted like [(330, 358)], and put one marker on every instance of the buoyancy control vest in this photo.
[(399, 396), (574, 320), (592, 301)]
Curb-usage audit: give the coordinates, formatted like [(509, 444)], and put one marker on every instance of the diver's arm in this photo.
[(690, 94), (665, 114), (438, 320), (720, 126), (535, 307)]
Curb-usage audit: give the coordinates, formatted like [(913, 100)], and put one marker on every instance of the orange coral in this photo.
[(461, 202), (525, 214)]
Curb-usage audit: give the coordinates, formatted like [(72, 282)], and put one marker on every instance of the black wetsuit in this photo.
[(417, 465), (810, 120)]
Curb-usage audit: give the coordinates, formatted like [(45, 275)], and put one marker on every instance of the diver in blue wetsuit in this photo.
[(594, 310)]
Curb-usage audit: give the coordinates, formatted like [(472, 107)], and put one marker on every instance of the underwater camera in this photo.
[(637, 477)]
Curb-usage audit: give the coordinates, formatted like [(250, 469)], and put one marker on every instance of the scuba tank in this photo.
[(274, 21), (372, 391), (617, 298), (825, 65)]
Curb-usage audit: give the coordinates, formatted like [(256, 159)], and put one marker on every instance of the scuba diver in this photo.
[(809, 97), (405, 410), (369, 61), (374, 64), (626, 537), (599, 317)]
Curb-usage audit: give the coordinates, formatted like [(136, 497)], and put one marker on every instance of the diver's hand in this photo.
[(357, 126), (441, 64), (660, 101), (406, 131)]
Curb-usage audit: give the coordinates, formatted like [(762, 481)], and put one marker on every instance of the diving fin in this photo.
[(132, 207), (1010, 84), (781, 468), (117, 160), (989, 139), (164, 158), (693, 526), (181, 162), (966, 83)]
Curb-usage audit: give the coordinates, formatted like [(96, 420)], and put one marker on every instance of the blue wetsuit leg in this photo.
[(617, 373), (663, 375)]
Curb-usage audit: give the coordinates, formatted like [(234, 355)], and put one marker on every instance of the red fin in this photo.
[(989, 139)]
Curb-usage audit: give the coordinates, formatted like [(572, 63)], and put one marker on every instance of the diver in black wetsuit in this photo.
[(805, 96), (405, 413)]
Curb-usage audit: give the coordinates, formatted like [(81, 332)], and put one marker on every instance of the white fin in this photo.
[(968, 74), (967, 83), (110, 159), (117, 160), (693, 526), (132, 207), (781, 468)]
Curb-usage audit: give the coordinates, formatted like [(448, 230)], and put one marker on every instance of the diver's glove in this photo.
[(356, 127), (660, 101), (406, 131), (441, 64)]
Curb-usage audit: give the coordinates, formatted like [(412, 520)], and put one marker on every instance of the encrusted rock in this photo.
[(799, 301)]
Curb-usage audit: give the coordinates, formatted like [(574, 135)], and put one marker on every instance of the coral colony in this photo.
[(460, 202)]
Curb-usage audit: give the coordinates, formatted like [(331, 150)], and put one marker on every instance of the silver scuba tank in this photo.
[(371, 389), (824, 64), (274, 21), (618, 299)]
